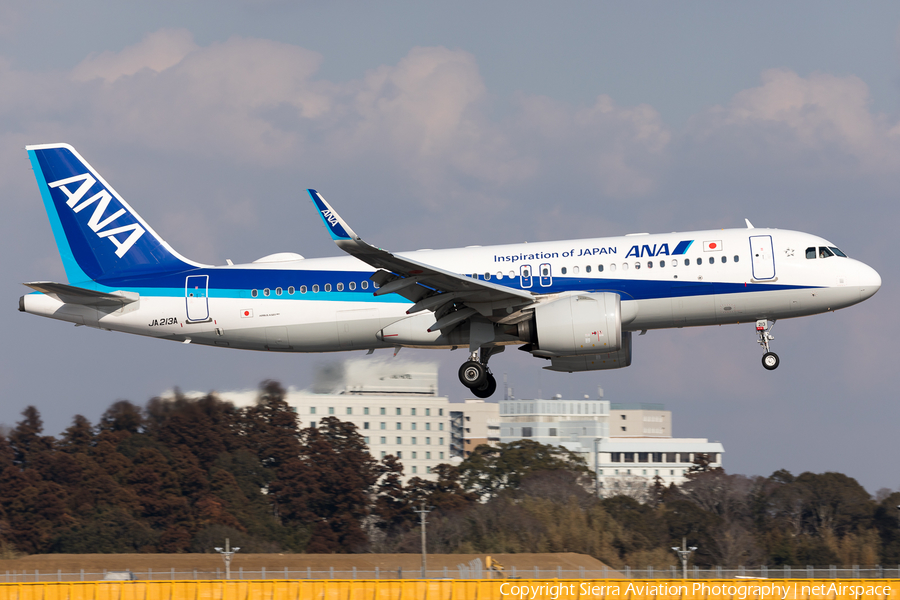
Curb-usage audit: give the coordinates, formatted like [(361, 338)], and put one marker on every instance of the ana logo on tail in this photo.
[(96, 222)]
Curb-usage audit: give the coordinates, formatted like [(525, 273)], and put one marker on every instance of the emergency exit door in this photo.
[(762, 257)]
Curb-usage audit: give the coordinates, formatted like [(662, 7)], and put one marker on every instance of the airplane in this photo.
[(573, 303)]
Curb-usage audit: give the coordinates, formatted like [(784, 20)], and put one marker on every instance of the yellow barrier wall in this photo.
[(463, 589)]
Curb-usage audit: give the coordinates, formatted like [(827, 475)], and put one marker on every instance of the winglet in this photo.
[(337, 227), (749, 224)]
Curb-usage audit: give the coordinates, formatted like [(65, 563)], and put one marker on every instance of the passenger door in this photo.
[(195, 296), (762, 256)]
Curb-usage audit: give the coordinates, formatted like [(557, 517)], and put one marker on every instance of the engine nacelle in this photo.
[(577, 325), (595, 362)]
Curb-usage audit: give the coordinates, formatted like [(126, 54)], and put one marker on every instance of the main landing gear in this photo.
[(475, 375), (770, 360)]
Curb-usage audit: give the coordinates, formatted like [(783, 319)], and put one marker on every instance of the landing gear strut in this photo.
[(475, 375), (770, 360)]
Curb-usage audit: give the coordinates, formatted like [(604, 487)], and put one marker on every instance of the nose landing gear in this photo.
[(770, 360), (475, 375)]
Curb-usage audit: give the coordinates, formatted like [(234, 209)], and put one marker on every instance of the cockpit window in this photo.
[(825, 252), (811, 252), (837, 251)]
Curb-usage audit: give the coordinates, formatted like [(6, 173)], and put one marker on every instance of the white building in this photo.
[(474, 423), (627, 445)]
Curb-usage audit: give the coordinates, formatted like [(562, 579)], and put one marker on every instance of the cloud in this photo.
[(821, 123), (158, 51)]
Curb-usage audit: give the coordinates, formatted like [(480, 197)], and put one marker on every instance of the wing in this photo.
[(452, 297)]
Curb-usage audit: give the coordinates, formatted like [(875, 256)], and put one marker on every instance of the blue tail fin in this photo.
[(98, 235)]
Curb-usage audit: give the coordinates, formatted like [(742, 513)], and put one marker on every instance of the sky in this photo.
[(450, 124)]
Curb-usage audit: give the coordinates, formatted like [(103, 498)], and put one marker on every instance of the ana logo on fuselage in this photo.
[(658, 250), (96, 222)]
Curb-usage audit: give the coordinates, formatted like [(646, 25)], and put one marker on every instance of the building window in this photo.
[(349, 410), (312, 424), (657, 457), (623, 417), (440, 412), (428, 456), (399, 425), (412, 411), (383, 425), (629, 457), (366, 440), (441, 426), (427, 412), (366, 410), (427, 426), (685, 457), (414, 467), (414, 454), (383, 411), (624, 429), (399, 454), (441, 442), (413, 425), (399, 411), (413, 442), (712, 457), (428, 469), (553, 432), (526, 432), (383, 440), (428, 441), (643, 457), (671, 471), (312, 410), (671, 457), (615, 457), (442, 455), (330, 410), (383, 454), (366, 425)]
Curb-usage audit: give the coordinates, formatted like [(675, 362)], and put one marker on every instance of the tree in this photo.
[(490, 469)]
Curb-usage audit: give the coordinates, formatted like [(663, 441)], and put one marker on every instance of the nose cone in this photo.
[(869, 281)]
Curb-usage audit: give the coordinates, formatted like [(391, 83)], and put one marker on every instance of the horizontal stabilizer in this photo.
[(76, 295)]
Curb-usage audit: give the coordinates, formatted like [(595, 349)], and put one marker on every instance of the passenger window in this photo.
[(711, 260), (512, 274), (352, 285), (340, 287), (637, 265), (587, 269), (563, 270), (487, 276), (278, 291), (327, 287), (575, 270), (364, 284), (302, 289), (291, 290), (600, 268), (811, 252), (724, 259), (499, 275), (737, 258), (825, 252), (674, 262), (545, 272), (662, 263), (624, 266), (687, 262), (315, 288), (649, 264), (254, 293), (266, 292)]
